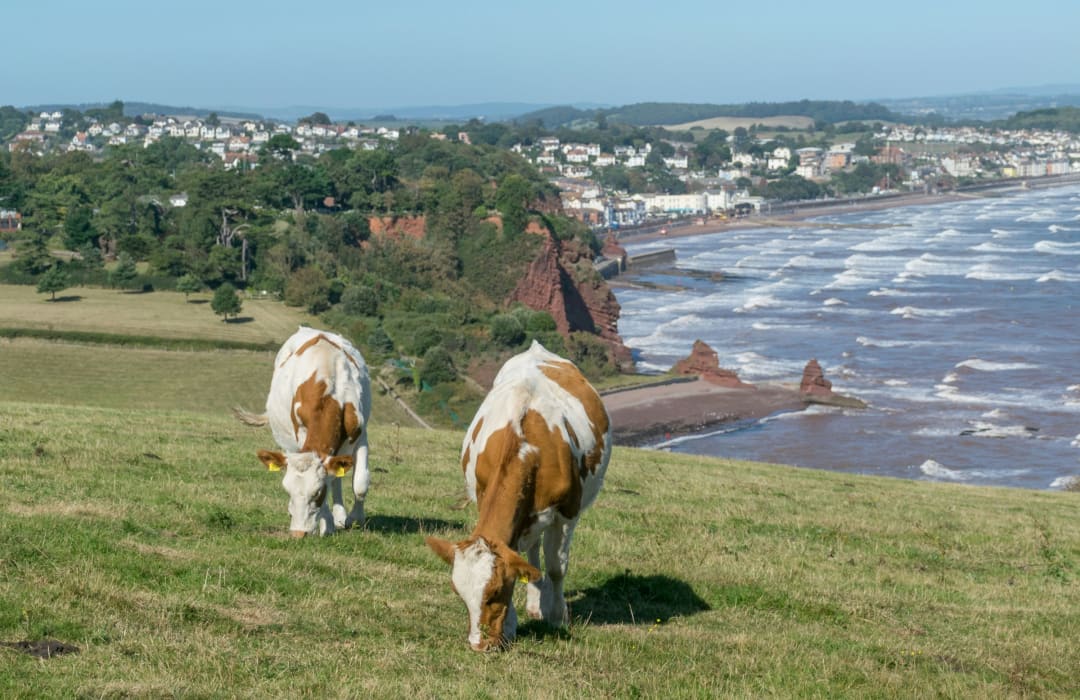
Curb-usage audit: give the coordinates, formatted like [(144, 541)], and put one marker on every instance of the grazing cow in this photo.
[(317, 409), (534, 458)]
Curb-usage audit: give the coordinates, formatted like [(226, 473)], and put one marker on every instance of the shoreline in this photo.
[(800, 215), (656, 413)]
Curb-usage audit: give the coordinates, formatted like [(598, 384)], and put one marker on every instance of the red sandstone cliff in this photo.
[(562, 281)]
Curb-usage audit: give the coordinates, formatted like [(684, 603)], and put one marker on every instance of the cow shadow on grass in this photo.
[(404, 525), (625, 599)]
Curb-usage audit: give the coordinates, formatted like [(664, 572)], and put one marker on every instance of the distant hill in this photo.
[(671, 113), (1063, 118), (132, 109), (988, 106)]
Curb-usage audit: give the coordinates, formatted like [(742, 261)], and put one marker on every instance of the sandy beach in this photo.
[(655, 413)]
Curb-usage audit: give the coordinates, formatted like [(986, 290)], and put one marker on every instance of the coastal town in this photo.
[(733, 182)]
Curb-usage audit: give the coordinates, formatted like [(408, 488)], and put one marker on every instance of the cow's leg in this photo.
[(534, 591), (361, 479), (556, 559), (325, 518), (338, 508)]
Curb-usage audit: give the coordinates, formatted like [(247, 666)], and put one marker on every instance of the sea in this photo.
[(958, 323)]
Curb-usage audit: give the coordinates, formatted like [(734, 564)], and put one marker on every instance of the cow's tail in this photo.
[(249, 418)]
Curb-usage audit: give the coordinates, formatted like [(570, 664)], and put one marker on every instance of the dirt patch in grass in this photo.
[(42, 649)]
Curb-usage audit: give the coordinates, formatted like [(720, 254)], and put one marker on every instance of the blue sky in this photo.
[(336, 53)]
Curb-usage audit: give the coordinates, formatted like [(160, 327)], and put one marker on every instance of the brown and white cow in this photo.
[(534, 458), (318, 409)]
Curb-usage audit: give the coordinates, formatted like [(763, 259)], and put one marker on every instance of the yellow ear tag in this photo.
[(523, 578), (273, 467), (340, 471)]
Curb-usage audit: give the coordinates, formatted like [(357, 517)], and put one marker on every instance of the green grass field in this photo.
[(137, 524)]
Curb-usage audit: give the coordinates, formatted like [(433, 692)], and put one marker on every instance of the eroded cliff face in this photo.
[(562, 281)]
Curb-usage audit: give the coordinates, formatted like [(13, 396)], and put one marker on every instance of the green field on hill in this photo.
[(137, 524)]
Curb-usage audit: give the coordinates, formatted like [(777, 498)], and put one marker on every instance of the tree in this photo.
[(506, 330), (188, 284), (33, 255), (308, 287), (53, 281), (226, 301), (124, 273), (512, 199), (437, 367)]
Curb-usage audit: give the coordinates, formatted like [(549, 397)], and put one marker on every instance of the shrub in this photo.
[(359, 300), (425, 339), (506, 330), (309, 288), (540, 322), (380, 342), (437, 367)]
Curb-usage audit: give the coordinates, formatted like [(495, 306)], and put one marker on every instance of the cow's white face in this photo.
[(305, 480), (483, 575)]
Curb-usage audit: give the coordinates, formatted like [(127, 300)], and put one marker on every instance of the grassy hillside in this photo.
[(146, 533)]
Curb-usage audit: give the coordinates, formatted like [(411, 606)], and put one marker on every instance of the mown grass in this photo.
[(162, 314), (148, 535)]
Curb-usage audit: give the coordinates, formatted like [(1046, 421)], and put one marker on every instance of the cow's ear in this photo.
[(337, 466), (518, 568), (274, 461), (446, 549)]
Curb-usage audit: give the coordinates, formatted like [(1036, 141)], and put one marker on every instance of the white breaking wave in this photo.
[(1064, 482), (988, 366), (761, 301), (833, 301), (994, 273), (935, 470), (1058, 276), (916, 312), (1055, 228), (1057, 248), (989, 247), (938, 471), (989, 430)]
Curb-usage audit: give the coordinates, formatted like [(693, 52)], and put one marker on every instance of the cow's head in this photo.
[(483, 576), (305, 482)]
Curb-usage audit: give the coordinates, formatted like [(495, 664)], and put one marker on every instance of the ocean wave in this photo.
[(988, 366), (1055, 228), (1001, 233), (993, 273), (1041, 215), (868, 342), (753, 364), (990, 247), (990, 430), (929, 264), (760, 301), (936, 470), (1057, 248), (833, 301), (1058, 276), (916, 312), (1065, 482)]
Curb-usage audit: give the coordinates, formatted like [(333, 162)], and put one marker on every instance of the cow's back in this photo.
[(315, 358), (540, 382)]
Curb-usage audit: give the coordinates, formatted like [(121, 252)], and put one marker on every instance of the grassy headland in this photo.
[(137, 524)]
